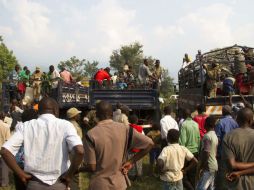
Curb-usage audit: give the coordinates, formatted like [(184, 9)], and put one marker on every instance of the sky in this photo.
[(45, 32)]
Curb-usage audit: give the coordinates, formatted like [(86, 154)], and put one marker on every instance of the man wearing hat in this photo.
[(36, 77), (157, 73), (73, 115), (213, 72)]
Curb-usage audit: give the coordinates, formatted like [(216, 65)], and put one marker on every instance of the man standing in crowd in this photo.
[(73, 114), (167, 123), (37, 79), (157, 73), (106, 147), (238, 151), (123, 116), (186, 60), (190, 138), (144, 73), (224, 126), (45, 168), (66, 76), (14, 77), (208, 165), (53, 76), (4, 136), (200, 119), (212, 72), (240, 70)]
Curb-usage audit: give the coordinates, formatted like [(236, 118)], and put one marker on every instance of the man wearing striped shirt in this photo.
[(47, 143)]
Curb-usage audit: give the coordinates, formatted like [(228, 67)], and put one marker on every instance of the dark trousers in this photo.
[(35, 184), (19, 185), (4, 174), (189, 178)]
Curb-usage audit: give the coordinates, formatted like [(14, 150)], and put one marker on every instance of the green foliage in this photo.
[(167, 86), (79, 68), (131, 54), (7, 60), (90, 68)]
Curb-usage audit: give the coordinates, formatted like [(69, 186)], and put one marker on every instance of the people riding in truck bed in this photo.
[(101, 75), (66, 76)]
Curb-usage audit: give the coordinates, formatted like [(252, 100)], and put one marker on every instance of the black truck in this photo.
[(143, 102)]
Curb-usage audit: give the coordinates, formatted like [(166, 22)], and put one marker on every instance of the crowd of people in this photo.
[(191, 151), (224, 77), (37, 84), (148, 76), (30, 87)]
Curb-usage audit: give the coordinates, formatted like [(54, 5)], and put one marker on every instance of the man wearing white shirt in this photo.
[(47, 143), (167, 123), (54, 75)]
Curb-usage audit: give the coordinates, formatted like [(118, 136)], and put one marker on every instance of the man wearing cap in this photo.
[(73, 115), (157, 72), (157, 69), (36, 77), (223, 126), (212, 76)]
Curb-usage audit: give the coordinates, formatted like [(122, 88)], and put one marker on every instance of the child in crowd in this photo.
[(155, 135), (171, 162), (208, 165)]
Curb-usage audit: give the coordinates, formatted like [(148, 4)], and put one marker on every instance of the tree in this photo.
[(79, 68), (7, 60), (90, 68), (131, 54), (167, 86)]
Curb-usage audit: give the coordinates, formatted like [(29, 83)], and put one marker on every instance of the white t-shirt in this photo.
[(173, 157), (47, 143), (167, 123)]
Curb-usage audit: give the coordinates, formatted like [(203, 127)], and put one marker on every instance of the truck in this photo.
[(142, 101), (192, 80)]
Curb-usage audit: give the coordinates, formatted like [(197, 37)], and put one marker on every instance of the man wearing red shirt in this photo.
[(102, 74), (200, 119), (136, 171)]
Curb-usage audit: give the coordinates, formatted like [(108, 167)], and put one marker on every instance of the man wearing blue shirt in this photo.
[(224, 126)]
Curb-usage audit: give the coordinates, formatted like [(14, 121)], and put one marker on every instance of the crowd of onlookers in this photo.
[(193, 150)]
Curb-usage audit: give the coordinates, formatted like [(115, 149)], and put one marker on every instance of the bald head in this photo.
[(245, 117), (48, 105), (104, 110)]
